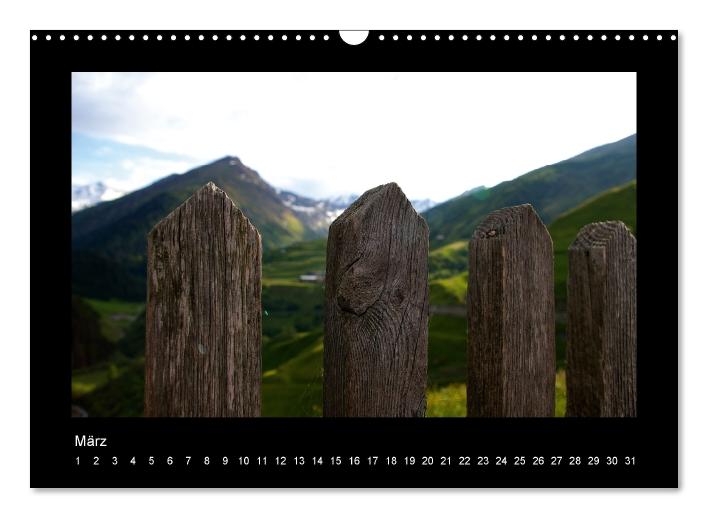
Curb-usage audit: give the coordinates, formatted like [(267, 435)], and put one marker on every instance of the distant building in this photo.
[(312, 277)]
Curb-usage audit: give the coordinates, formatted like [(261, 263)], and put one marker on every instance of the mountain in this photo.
[(552, 190), (109, 239), (319, 214), (83, 196), (316, 214)]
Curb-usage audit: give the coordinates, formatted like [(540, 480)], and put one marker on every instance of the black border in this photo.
[(652, 437)]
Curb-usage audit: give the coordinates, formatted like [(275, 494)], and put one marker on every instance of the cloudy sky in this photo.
[(325, 134)]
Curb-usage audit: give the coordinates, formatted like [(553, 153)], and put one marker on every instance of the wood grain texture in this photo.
[(376, 309), (510, 315), (203, 343), (602, 309)]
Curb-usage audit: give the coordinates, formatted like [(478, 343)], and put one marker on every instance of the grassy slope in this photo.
[(616, 204)]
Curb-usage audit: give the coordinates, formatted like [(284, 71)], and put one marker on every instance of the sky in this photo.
[(328, 134)]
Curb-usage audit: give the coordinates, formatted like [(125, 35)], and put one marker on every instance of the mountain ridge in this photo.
[(551, 189)]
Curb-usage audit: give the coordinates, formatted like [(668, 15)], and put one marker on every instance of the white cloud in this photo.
[(437, 135)]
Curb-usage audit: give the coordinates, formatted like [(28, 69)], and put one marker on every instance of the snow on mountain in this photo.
[(83, 196)]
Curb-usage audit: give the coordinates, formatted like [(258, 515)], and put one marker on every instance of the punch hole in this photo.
[(354, 37)]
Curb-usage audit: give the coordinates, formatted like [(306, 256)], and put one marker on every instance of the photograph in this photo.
[(353, 244)]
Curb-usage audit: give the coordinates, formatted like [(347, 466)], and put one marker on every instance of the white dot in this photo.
[(437, 37), (561, 37), (604, 37), (228, 37), (145, 37), (521, 37), (409, 37), (325, 37), (576, 37), (131, 37), (618, 37), (479, 37), (548, 37), (589, 37), (270, 37), (312, 37), (534, 37), (104, 37), (631, 37), (658, 37), (214, 37), (76, 37), (464, 37), (90, 37), (646, 37), (673, 37), (159, 37), (422, 37), (201, 37), (34, 37), (492, 37), (118, 37), (186, 37), (256, 37), (173, 37), (285, 37), (243, 37), (451, 37), (298, 37), (381, 37), (395, 37), (506, 37)]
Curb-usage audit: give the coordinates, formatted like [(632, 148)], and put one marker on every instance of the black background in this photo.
[(652, 437)]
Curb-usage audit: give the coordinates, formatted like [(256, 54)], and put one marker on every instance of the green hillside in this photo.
[(109, 240), (552, 190), (619, 204)]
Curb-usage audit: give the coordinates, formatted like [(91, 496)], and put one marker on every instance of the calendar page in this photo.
[(354, 258)]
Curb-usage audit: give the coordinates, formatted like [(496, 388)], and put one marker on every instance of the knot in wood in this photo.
[(360, 287)]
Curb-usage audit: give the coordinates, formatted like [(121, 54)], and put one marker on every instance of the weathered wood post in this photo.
[(602, 309), (203, 315), (510, 317), (376, 308)]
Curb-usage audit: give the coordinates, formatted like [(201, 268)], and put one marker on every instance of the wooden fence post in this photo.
[(376, 308), (510, 309), (602, 336), (203, 343)]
